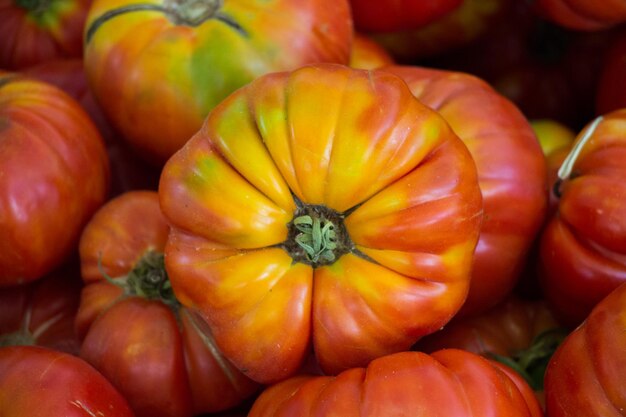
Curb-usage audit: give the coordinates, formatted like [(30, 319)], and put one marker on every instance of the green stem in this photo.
[(531, 363)]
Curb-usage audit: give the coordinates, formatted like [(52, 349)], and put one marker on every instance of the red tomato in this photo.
[(41, 382), (511, 173), (583, 14), (583, 247), (42, 312), (449, 382), (393, 15), (158, 354), (585, 377), (611, 89), (54, 173), (158, 69), (34, 31), (326, 207)]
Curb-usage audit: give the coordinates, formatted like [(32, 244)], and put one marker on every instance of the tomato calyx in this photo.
[(531, 363), (180, 12), (148, 279), (317, 235)]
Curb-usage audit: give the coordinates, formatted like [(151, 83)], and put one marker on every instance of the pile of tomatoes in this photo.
[(312, 208)]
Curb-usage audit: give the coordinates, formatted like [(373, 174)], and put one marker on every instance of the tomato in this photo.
[(587, 15), (158, 354), (583, 247), (54, 173), (389, 16), (323, 208), (368, 54), (42, 312), (585, 376), (511, 173), (611, 88), (34, 31), (158, 67), (450, 382), (42, 382)]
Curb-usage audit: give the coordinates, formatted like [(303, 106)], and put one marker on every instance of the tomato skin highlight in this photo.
[(400, 182)]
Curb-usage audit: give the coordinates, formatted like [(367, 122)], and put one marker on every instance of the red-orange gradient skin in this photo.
[(511, 168), (157, 78), (54, 174), (585, 376), (356, 142), (161, 358), (450, 382), (583, 247)]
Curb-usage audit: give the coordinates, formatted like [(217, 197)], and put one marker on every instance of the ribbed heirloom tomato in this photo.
[(54, 173), (158, 354), (583, 246), (447, 383), (326, 207), (158, 67)]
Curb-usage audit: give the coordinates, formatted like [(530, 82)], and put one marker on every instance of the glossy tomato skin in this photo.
[(586, 15), (157, 76), (583, 245), (511, 172), (159, 355), (390, 16), (232, 197), (585, 376), (42, 312), (54, 173), (41, 382), (32, 32), (449, 382), (366, 53)]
